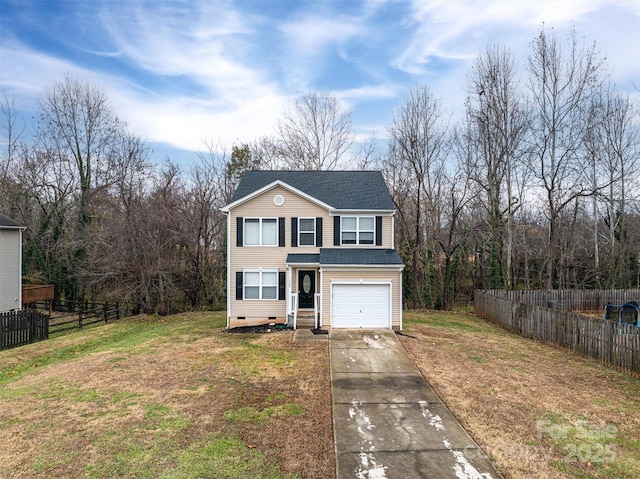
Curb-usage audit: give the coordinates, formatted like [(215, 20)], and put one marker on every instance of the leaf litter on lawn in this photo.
[(136, 408)]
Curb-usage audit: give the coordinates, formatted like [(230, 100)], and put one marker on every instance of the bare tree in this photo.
[(315, 133), (11, 140), (418, 145), (562, 82), (265, 152), (453, 232), (613, 143), (82, 140), (492, 147)]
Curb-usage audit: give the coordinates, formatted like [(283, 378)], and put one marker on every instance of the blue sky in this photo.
[(183, 72)]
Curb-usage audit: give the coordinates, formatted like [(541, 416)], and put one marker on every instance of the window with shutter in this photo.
[(261, 284), (260, 231), (306, 231), (358, 230)]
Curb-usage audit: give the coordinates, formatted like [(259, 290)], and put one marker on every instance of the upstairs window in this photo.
[(358, 230), (261, 231), (307, 232)]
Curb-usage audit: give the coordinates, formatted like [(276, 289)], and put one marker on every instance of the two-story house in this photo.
[(10, 264), (313, 247)]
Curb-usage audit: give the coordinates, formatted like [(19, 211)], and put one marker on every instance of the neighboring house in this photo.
[(10, 264), (314, 247)]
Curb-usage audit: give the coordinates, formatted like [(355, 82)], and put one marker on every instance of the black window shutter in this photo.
[(238, 285), (281, 281), (294, 232), (336, 231), (378, 230), (239, 224), (319, 232), (281, 232)]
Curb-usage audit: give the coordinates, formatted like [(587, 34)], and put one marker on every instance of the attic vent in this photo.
[(278, 200)]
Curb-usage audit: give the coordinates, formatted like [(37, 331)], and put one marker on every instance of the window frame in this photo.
[(260, 231), (358, 230), (261, 283), (307, 232)]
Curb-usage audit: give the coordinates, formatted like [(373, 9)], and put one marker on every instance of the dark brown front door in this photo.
[(306, 288)]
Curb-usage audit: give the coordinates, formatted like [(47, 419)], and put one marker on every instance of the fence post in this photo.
[(33, 323), (2, 331), (105, 308)]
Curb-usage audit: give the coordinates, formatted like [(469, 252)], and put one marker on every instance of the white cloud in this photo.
[(306, 40), (182, 72), (459, 29)]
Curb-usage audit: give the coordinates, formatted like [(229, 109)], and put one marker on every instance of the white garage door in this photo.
[(360, 306)]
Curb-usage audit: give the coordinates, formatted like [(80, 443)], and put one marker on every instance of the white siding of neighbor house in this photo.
[(10, 269), (240, 258)]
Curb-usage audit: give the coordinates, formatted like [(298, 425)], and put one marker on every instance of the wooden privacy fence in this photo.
[(21, 327), (616, 345), (570, 300)]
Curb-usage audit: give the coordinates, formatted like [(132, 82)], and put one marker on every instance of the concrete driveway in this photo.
[(387, 421)]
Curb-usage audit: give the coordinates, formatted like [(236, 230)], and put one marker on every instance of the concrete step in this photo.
[(305, 322)]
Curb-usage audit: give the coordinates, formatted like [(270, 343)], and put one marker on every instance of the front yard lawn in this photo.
[(537, 411), (178, 397), (173, 397)]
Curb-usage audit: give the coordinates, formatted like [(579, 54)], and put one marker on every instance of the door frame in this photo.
[(314, 287)]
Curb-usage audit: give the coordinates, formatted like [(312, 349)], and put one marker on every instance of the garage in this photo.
[(361, 305)]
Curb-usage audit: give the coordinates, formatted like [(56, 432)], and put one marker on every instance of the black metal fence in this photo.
[(21, 327)]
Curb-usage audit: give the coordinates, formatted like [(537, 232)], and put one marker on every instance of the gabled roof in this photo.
[(8, 223), (341, 190)]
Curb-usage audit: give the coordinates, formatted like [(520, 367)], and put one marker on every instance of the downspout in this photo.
[(393, 230), (400, 300), (228, 215), (321, 289), (20, 270), (288, 312)]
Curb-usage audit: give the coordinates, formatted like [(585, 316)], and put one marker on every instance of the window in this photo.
[(260, 284), (307, 232), (261, 231), (358, 229)]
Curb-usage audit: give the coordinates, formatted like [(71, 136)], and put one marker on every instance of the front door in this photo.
[(306, 288)]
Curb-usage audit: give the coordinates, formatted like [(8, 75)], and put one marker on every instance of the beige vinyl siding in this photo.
[(361, 274), (240, 258), (10, 280), (387, 232), (294, 207), (262, 206)]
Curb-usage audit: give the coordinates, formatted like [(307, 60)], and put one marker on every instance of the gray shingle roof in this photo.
[(6, 222), (360, 256), (303, 258), (344, 190)]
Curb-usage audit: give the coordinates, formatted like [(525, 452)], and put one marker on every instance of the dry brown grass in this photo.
[(528, 405), (146, 396), (133, 405)]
